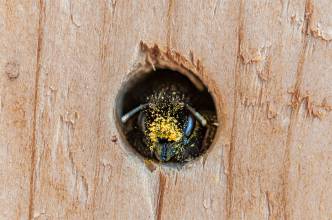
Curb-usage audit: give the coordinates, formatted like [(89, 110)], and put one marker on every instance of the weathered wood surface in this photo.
[(62, 63)]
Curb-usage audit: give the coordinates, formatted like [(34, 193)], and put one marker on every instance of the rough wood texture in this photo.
[(62, 63)]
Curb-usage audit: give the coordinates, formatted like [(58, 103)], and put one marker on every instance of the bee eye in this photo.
[(189, 125)]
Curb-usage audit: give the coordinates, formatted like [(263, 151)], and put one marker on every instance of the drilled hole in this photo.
[(165, 116)]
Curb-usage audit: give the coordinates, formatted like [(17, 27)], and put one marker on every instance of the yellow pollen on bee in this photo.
[(164, 128)]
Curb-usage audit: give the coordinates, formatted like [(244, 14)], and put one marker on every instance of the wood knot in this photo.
[(12, 69), (114, 139)]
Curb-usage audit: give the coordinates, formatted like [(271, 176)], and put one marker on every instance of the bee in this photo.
[(167, 126)]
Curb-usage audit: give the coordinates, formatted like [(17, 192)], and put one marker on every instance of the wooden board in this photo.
[(268, 63)]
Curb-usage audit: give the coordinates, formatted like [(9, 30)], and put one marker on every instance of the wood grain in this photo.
[(18, 52), (268, 64)]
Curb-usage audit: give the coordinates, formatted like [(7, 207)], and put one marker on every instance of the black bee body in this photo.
[(166, 127)]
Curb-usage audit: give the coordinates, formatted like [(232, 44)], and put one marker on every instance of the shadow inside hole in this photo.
[(165, 89)]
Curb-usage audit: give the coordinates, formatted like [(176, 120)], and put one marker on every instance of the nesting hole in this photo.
[(160, 129)]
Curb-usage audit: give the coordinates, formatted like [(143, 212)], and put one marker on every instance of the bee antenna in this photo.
[(132, 112), (197, 115)]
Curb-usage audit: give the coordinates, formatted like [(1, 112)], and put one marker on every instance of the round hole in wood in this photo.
[(166, 116)]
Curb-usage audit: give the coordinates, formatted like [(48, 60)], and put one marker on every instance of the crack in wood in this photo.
[(72, 16), (40, 32), (294, 111), (103, 54), (113, 5), (230, 181), (161, 191), (268, 204), (169, 23), (216, 7)]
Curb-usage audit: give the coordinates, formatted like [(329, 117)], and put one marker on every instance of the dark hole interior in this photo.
[(157, 130)]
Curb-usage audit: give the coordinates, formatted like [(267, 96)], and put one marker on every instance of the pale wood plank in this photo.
[(267, 62), (310, 167), (18, 55), (80, 172)]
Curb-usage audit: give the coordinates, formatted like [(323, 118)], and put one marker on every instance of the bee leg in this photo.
[(197, 115), (132, 112)]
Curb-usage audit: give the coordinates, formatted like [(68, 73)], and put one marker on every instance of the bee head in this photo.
[(162, 123), (167, 123)]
